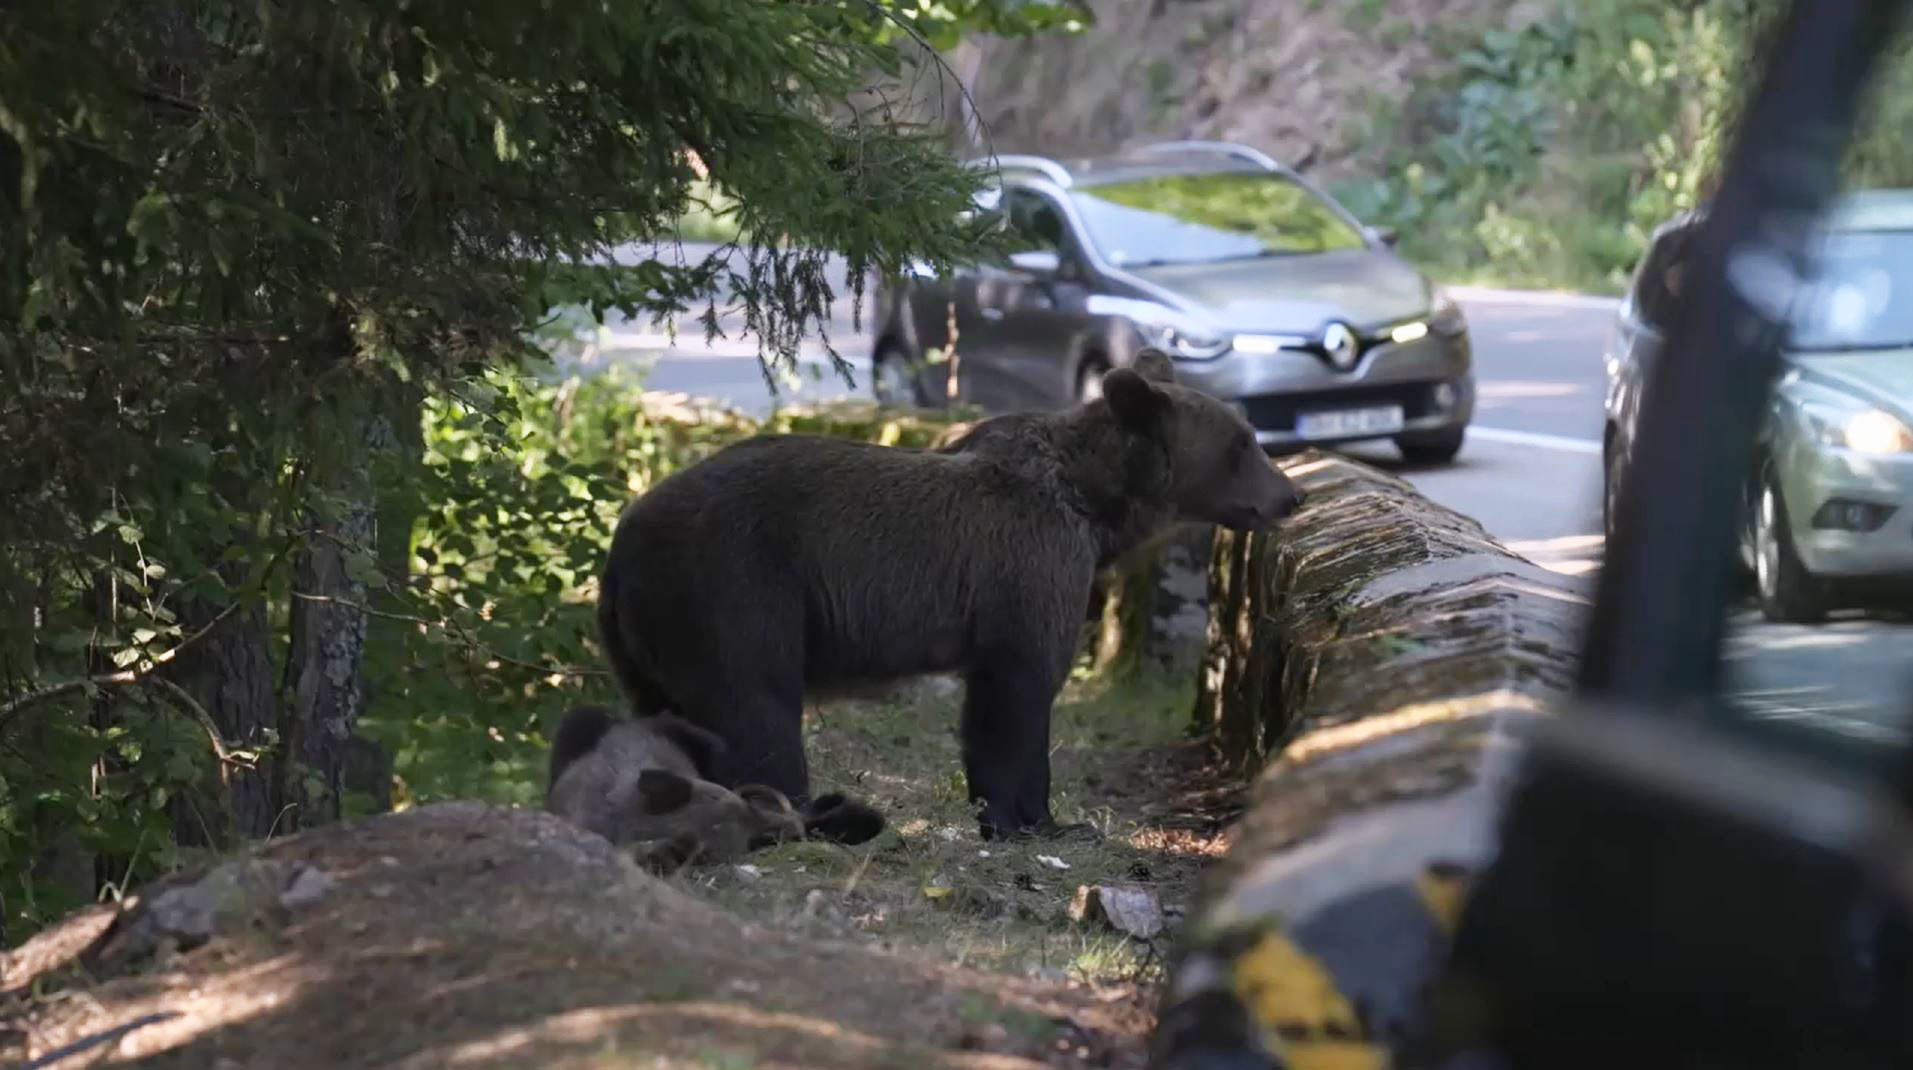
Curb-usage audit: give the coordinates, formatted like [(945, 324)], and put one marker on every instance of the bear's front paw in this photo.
[(1048, 830), (840, 819), (1075, 832)]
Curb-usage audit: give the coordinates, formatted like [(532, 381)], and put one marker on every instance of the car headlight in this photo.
[(1445, 317), (1874, 431), (1868, 430), (1184, 341), (1168, 329)]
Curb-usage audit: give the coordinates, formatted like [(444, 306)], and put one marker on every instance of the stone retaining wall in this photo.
[(1371, 661)]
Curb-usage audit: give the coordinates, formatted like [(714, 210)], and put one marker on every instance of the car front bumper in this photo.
[(1811, 475), (1275, 389)]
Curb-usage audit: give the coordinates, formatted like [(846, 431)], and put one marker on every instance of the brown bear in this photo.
[(639, 783), (786, 565)]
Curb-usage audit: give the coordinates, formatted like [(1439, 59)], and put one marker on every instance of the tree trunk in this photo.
[(230, 673), (325, 660), (60, 863), (335, 579), (367, 774)]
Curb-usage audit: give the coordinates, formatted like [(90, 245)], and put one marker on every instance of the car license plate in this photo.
[(1344, 423)]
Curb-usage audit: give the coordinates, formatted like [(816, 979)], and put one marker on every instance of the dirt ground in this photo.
[(468, 935)]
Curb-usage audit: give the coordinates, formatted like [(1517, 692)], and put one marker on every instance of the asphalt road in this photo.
[(1530, 473)]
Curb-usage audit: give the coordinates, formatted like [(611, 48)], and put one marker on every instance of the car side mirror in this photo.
[(1386, 235), (984, 221), (1043, 263)]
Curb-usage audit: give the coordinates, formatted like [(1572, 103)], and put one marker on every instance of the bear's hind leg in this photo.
[(763, 730)]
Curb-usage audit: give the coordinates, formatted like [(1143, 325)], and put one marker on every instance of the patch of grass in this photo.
[(729, 1060), (929, 885)]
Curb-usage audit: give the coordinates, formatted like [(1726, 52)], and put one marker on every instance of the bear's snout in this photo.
[(1279, 498), (1290, 502), (1286, 500), (1265, 510)]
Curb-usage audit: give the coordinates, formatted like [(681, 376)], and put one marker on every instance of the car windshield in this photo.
[(1862, 295), (1187, 219)]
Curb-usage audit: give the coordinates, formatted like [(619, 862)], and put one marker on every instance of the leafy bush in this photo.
[(243, 242), (1550, 153), (497, 633)]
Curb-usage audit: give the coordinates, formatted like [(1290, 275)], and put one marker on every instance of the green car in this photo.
[(1828, 516), (1266, 292)]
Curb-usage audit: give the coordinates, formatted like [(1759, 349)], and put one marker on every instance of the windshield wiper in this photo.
[(1164, 261), (1849, 347)]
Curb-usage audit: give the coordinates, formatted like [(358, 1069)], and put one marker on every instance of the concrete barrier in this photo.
[(1371, 663)]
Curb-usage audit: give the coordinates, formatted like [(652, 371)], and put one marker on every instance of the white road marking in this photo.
[(1535, 438), (1503, 389), (1489, 295)]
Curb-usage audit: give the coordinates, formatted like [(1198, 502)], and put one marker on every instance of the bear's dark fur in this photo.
[(791, 564)]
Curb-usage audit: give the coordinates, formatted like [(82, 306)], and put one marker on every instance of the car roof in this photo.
[(1873, 209), (1861, 209), (1109, 170), (1089, 171)]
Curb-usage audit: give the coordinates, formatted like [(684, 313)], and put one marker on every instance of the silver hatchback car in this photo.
[(1828, 516), (1266, 292)]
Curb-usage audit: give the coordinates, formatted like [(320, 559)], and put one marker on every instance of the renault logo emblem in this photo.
[(1340, 344)]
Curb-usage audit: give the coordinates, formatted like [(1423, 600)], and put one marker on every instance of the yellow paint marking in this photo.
[(1415, 715), (1335, 1055), (1444, 896), (1304, 1018)]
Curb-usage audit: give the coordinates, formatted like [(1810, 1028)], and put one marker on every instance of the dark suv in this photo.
[(1266, 291)]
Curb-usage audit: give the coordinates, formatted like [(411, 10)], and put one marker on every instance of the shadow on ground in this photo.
[(462, 934)]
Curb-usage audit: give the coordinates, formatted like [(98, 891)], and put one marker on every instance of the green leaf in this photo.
[(362, 567), (181, 768)]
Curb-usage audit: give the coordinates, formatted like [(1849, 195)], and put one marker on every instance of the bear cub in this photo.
[(640, 782), (790, 565)]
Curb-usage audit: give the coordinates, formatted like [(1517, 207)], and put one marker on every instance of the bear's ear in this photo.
[(1136, 402), (1154, 365), (767, 799), (661, 791)]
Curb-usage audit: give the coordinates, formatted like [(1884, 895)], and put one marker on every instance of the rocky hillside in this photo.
[(1529, 142), (1301, 78)]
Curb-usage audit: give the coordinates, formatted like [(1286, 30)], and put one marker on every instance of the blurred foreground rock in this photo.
[(1371, 663), (462, 934), (1132, 909)]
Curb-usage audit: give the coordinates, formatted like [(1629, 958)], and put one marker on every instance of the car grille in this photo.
[(1277, 412)]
